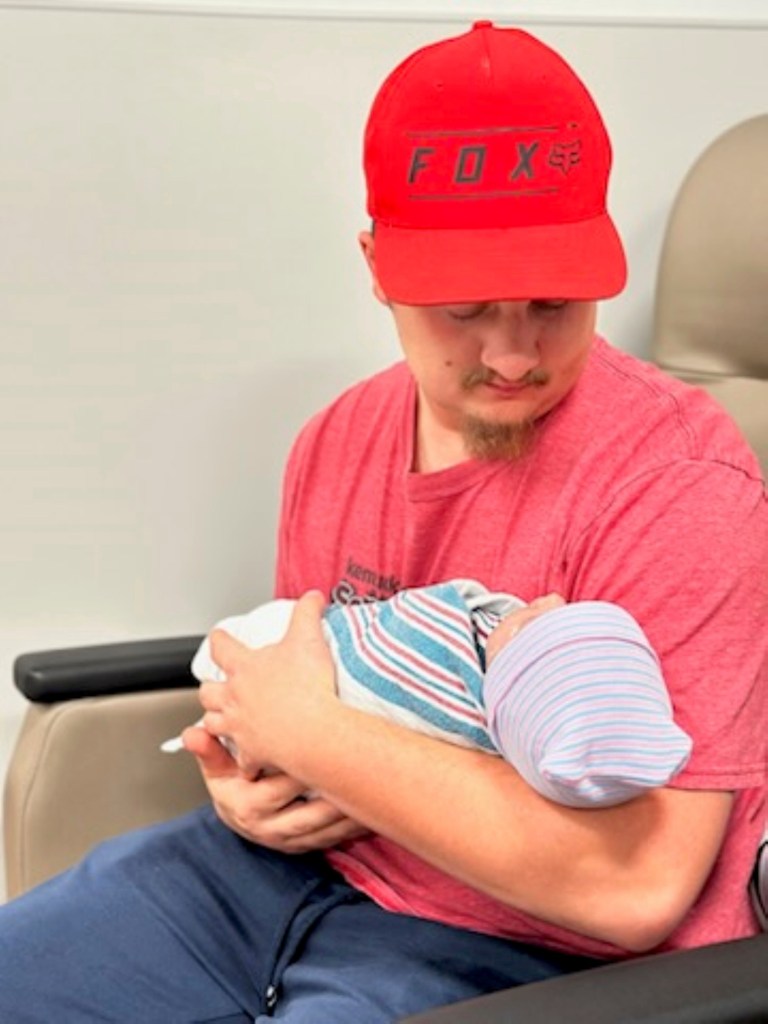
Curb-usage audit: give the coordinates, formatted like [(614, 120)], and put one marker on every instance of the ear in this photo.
[(368, 247)]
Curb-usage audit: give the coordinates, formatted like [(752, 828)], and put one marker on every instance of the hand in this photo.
[(271, 691), (511, 624), (265, 693), (270, 810)]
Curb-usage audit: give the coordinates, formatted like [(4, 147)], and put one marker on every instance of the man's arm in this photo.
[(625, 875)]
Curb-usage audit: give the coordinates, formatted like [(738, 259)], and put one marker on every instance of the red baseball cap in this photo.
[(487, 166)]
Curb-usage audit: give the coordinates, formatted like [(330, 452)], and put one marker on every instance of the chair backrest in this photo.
[(711, 316)]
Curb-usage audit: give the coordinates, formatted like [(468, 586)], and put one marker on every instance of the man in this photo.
[(511, 446)]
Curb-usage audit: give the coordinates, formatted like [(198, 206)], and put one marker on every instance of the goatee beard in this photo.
[(491, 441)]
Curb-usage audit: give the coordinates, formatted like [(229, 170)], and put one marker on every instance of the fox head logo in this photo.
[(565, 155)]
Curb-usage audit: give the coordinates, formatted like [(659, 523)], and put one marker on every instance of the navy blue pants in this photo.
[(187, 922)]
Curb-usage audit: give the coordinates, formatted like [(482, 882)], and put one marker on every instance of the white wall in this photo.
[(180, 286)]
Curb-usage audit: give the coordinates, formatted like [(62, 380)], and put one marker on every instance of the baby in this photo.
[(571, 695)]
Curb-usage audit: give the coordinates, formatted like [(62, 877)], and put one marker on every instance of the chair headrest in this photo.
[(711, 316)]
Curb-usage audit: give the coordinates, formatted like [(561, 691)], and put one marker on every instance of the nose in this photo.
[(511, 344)]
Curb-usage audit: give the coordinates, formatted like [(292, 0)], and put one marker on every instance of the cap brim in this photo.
[(584, 261)]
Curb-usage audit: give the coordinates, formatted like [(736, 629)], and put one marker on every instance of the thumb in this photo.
[(305, 626)]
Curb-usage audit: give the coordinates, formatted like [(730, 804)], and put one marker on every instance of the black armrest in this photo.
[(141, 665), (722, 984)]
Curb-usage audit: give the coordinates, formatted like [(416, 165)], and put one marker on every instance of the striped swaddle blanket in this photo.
[(419, 657), (575, 702)]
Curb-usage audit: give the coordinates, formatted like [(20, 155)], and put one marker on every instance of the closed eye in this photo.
[(474, 310), (467, 311), (548, 305)]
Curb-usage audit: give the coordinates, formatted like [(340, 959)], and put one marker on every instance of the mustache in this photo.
[(482, 375)]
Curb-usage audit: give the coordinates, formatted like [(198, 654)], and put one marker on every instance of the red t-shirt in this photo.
[(638, 490)]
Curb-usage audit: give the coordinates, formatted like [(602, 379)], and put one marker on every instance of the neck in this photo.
[(436, 446)]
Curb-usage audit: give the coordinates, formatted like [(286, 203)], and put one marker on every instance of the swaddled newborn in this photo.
[(571, 695)]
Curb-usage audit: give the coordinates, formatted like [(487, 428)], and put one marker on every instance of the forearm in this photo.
[(596, 872)]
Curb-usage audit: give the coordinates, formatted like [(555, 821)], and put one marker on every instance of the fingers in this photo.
[(304, 627), (227, 652), (326, 838), (212, 757), (270, 811), (547, 602), (211, 697), (278, 790), (522, 616), (513, 623), (310, 825)]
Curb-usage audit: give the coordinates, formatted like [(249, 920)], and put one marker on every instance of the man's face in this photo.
[(489, 370), (486, 371)]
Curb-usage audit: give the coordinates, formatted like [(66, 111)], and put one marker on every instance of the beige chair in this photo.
[(711, 324), (87, 764)]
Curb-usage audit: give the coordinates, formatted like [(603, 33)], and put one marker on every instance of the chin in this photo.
[(497, 440)]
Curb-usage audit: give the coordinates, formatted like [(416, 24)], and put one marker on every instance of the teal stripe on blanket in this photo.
[(419, 656)]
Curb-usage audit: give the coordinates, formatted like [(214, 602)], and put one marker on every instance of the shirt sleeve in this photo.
[(283, 585), (684, 548)]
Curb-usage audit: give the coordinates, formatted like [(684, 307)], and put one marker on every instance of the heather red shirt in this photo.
[(638, 490)]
